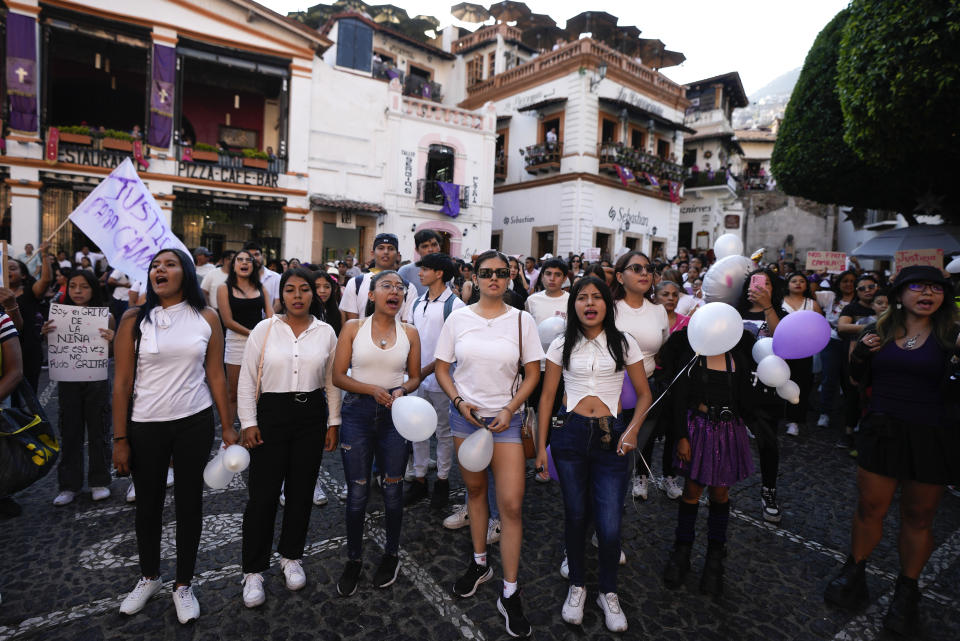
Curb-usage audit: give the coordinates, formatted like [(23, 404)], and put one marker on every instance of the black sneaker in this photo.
[(441, 494), (387, 571), (512, 611), (845, 442), (347, 584), (769, 505), (417, 492), (471, 579)]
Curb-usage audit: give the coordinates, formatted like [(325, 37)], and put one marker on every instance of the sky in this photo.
[(758, 38)]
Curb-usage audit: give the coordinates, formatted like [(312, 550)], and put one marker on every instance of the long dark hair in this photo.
[(232, 273), (370, 308), (96, 300), (835, 285), (330, 311), (595, 270), (616, 341), (776, 298), (806, 287), (618, 290), (26, 278), (308, 276), (487, 255), (895, 319), (190, 286)]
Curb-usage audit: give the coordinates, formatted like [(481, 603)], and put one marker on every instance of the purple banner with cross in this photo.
[(451, 198), (161, 96), (22, 73)]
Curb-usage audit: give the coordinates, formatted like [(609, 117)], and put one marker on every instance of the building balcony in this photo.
[(543, 157), (81, 145), (430, 193), (485, 35), (385, 71), (637, 161), (208, 155), (418, 87), (698, 179)]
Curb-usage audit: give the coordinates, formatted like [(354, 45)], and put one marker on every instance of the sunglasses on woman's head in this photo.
[(919, 287), (488, 272), (639, 269)]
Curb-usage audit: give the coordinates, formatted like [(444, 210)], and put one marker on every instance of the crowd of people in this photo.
[(307, 359)]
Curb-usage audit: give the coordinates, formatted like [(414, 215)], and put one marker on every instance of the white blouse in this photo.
[(290, 364), (592, 370), (648, 325)]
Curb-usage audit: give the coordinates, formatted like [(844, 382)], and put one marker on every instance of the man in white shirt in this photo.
[(85, 252), (121, 292), (430, 310), (268, 278), (531, 272), (32, 259), (201, 258), (427, 242), (354, 300), (352, 270), (216, 277)]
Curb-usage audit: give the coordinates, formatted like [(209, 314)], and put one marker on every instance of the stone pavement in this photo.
[(64, 571)]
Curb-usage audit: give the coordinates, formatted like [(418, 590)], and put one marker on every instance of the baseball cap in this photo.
[(546, 256), (388, 239), (202, 250)]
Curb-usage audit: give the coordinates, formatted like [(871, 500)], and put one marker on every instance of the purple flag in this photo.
[(22, 73), (161, 96), (451, 198)]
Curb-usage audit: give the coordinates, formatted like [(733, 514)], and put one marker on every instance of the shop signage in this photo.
[(77, 351), (624, 217), (637, 100), (92, 157), (407, 172), (227, 174), (346, 220), (476, 190), (518, 220), (705, 209)]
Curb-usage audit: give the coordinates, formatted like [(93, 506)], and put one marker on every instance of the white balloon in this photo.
[(773, 371), (789, 391), (549, 329), (954, 266), (215, 474), (476, 451), (715, 328), (762, 348), (236, 458), (724, 280), (414, 417), (728, 245)]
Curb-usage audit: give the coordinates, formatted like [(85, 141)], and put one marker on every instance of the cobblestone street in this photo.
[(64, 571)]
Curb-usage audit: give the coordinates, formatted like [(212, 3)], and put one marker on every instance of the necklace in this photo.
[(911, 342), (383, 343)]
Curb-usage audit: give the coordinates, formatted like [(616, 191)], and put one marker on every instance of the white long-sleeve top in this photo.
[(290, 364)]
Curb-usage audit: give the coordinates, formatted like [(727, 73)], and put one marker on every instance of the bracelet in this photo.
[(119, 438), (12, 309), (456, 402)]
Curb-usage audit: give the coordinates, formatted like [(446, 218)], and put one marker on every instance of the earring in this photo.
[(899, 305)]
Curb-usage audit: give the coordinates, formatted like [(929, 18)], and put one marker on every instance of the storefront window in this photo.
[(221, 222)]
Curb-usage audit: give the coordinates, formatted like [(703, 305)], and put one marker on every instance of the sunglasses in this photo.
[(866, 288), (489, 272), (919, 287), (639, 269)]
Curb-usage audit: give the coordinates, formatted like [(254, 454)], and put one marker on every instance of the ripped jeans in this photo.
[(368, 431)]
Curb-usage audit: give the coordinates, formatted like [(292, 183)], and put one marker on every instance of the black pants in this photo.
[(801, 372), (84, 410), (764, 428), (189, 441), (293, 432)]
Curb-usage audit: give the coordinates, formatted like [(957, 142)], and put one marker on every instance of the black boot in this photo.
[(677, 565), (903, 617), (848, 589), (711, 581)]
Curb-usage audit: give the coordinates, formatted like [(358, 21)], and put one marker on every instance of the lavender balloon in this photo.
[(628, 395), (801, 334)]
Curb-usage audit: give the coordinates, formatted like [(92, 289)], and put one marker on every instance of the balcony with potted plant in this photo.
[(543, 157)]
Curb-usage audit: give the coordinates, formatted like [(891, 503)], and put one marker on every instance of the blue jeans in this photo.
[(591, 474), (831, 358), (368, 431)]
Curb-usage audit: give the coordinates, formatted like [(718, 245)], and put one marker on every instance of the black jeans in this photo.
[(189, 441), (293, 428), (84, 410), (764, 428)]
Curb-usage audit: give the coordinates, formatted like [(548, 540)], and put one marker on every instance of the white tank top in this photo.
[(170, 377), (375, 366)]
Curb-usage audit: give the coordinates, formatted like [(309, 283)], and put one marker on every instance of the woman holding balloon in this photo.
[(589, 446), (286, 398), (377, 350), (799, 299), (497, 351)]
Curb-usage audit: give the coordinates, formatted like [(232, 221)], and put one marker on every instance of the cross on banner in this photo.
[(21, 73)]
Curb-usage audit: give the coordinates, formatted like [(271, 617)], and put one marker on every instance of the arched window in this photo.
[(440, 159)]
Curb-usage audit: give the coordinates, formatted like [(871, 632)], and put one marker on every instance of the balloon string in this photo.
[(653, 404)]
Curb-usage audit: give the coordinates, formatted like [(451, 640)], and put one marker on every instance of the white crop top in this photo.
[(648, 325), (592, 370), (170, 378), (374, 366)]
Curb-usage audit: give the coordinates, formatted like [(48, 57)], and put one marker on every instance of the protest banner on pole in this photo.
[(76, 351), (823, 261), (124, 220), (914, 257)]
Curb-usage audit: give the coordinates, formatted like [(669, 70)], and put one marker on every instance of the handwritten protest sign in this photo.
[(830, 262), (592, 254), (124, 220), (914, 257), (77, 352)]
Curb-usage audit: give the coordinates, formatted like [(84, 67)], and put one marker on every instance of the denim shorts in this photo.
[(462, 428)]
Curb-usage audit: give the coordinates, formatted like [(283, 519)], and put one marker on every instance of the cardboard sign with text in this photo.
[(823, 261), (76, 351), (914, 257), (592, 254), (124, 220)]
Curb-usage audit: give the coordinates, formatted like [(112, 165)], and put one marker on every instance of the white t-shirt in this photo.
[(203, 270), (687, 304), (592, 370), (542, 307), (486, 352), (211, 283), (648, 325), (428, 319), (271, 282), (120, 291), (355, 302)]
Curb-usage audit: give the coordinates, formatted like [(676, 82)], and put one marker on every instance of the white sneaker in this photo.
[(283, 497), (460, 518), (131, 493), (493, 531), (100, 493), (565, 567), (673, 486), (432, 464), (64, 498), (596, 544), (409, 475), (612, 613), (319, 497), (253, 594), (170, 484), (793, 429), (293, 573), (823, 421), (573, 606), (138, 598), (343, 493), (185, 601), (640, 487)]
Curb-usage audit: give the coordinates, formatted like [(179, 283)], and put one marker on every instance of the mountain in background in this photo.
[(767, 103)]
